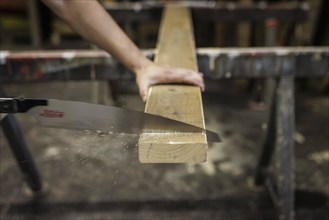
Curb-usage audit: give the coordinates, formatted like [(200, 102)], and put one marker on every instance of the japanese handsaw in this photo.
[(93, 117)]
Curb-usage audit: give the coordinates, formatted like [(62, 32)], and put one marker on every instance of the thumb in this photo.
[(143, 89)]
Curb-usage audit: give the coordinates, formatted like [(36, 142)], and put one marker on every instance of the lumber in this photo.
[(175, 47)]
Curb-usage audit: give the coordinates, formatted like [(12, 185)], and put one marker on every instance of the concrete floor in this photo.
[(92, 176)]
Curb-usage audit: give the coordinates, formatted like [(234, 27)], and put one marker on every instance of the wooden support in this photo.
[(284, 155), (35, 31), (180, 102)]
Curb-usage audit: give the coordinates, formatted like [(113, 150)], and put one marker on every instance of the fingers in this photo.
[(190, 77), (143, 85), (143, 93), (159, 74)]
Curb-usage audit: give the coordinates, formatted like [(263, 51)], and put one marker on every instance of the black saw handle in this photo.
[(20, 105)]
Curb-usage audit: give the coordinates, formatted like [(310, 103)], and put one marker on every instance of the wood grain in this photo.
[(180, 102)]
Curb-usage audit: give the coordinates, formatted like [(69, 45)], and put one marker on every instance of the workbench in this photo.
[(278, 65)]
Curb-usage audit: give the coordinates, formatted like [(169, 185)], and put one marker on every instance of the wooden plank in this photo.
[(180, 102)]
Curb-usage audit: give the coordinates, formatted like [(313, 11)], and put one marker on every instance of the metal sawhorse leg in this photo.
[(20, 150), (276, 165)]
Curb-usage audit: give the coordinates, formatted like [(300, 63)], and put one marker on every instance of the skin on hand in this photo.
[(154, 74)]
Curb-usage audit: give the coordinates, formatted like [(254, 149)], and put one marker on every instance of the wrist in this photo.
[(141, 66)]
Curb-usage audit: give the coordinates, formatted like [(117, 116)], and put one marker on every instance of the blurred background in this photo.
[(31, 24)]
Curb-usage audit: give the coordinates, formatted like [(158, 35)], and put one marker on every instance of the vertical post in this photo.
[(231, 31), (20, 151), (278, 146), (284, 164), (268, 144), (33, 14)]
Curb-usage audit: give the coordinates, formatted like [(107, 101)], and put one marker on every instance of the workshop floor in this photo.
[(99, 177)]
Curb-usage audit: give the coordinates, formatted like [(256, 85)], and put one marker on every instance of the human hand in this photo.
[(156, 74)]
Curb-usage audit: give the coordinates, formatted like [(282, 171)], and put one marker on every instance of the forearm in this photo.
[(91, 21)]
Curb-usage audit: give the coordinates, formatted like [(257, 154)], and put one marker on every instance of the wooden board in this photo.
[(180, 102)]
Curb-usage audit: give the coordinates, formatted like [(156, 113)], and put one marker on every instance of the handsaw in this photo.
[(93, 117)]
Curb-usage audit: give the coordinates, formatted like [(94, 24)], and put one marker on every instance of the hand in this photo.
[(156, 74)]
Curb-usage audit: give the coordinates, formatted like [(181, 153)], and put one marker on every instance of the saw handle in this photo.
[(20, 105)]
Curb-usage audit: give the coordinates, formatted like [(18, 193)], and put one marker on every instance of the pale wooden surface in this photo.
[(180, 102)]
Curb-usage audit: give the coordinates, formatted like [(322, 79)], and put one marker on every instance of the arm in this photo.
[(92, 22)]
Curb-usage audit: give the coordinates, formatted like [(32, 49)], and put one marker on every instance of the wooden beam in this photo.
[(180, 102), (215, 63)]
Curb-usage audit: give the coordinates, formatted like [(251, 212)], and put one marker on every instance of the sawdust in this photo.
[(299, 138), (104, 146), (321, 157)]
